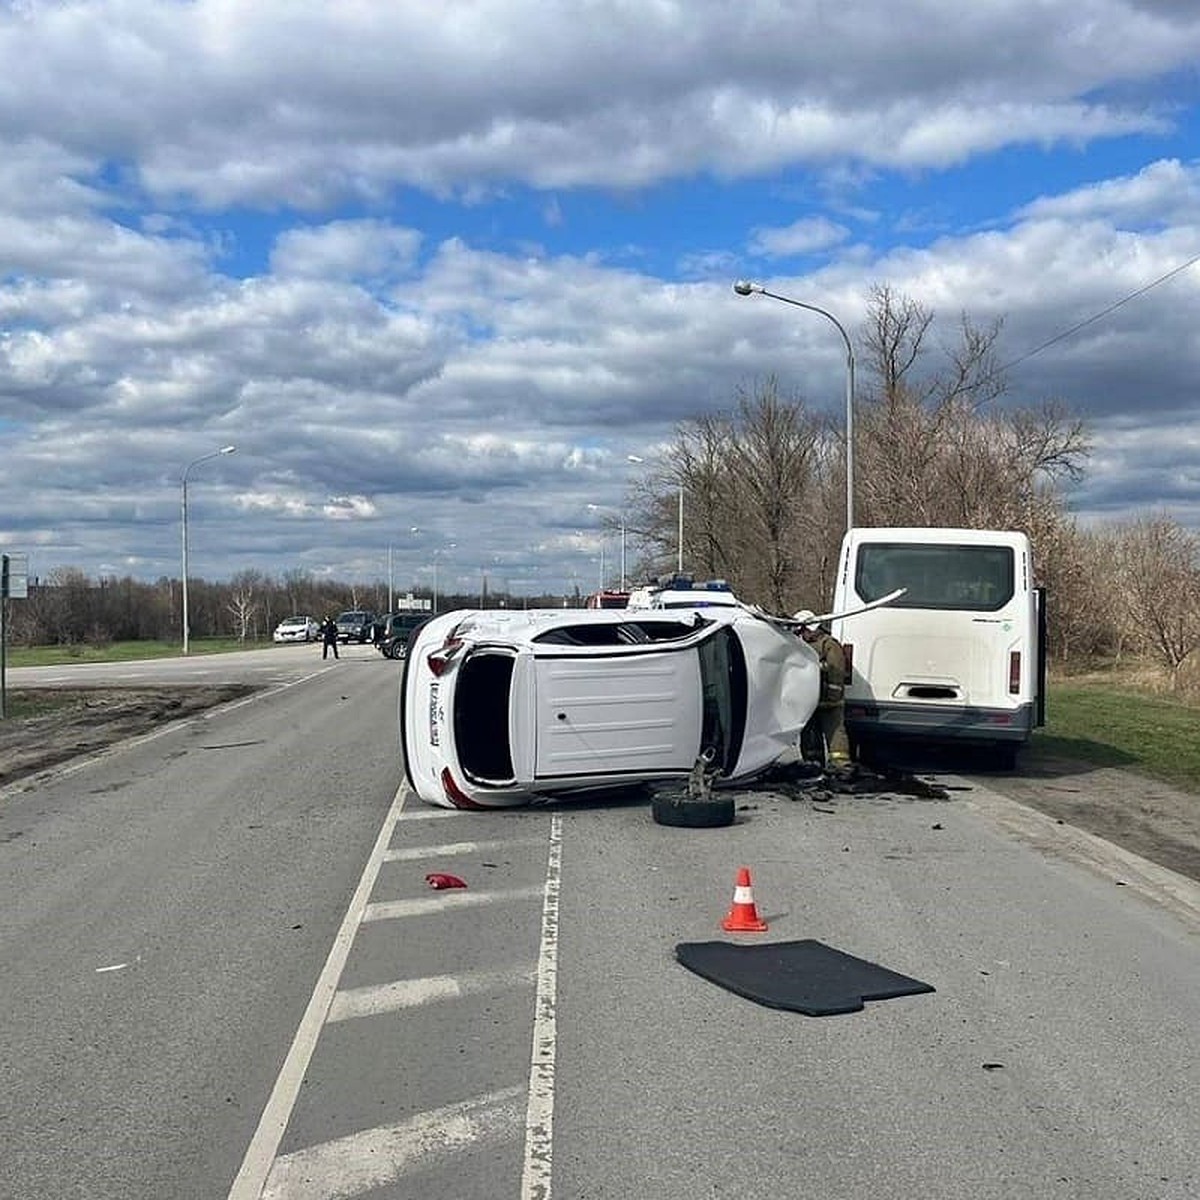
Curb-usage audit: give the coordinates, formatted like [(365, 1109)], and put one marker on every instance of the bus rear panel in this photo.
[(958, 657)]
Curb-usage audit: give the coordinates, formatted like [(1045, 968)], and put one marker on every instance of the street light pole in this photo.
[(679, 565), (437, 550), (744, 287), (184, 523)]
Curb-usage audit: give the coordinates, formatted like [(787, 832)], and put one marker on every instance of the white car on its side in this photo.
[(296, 629), (503, 707)]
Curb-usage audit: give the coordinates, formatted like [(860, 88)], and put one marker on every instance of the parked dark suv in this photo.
[(395, 630), (355, 626)]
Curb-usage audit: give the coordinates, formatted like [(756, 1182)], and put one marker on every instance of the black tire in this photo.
[(682, 811)]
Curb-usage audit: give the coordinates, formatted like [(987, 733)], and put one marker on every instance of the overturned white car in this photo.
[(503, 707)]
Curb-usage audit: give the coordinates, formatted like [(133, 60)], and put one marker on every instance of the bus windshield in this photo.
[(970, 578)]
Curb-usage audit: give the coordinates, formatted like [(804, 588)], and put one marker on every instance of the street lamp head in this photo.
[(635, 458), (227, 450), (744, 287)]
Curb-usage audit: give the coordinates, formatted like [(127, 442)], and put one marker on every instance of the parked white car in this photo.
[(503, 707), (296, 629)]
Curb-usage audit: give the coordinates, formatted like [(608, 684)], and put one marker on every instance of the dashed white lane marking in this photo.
[(388, 910), (264, 1146), (432, 813), (539, 1112), (447, 849), (411, 993), (377, 1157)]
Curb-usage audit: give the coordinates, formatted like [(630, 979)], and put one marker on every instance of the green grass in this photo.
[(1121, 727), (55, 656)]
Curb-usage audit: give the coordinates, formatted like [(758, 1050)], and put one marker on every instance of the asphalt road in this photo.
[(226, 976)]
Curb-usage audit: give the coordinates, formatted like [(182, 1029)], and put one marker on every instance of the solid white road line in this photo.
[(539, 1113), (411, 993), (374, 1158), (264, 1145)]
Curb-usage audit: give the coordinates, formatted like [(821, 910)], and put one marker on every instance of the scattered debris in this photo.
[(439, 880), (805, 781)]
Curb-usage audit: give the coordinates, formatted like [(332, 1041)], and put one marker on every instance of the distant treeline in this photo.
[(69, 608)]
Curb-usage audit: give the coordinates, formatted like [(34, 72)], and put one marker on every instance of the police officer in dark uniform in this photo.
[(329, 637)]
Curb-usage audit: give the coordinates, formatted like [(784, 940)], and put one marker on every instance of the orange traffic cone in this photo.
[(743, 915)]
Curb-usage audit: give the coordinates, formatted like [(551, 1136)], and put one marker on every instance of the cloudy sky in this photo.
[(438, 269)]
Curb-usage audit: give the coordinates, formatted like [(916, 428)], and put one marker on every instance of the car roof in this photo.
[(520, 626)]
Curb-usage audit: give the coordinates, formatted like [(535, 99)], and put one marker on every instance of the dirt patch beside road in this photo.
[(1152, 819), (85, 721)]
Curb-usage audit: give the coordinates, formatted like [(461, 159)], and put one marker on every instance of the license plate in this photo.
[(433, 714)]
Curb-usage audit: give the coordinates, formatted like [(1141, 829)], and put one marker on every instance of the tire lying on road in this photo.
[(685, 811)]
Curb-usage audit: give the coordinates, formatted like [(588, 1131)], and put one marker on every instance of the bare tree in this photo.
[(241, 604), (1158, 569), (772, 480)]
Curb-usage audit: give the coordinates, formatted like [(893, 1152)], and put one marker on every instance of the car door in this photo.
[(616, 714)]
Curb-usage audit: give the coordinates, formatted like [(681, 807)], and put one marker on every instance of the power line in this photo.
[(1066, 333)]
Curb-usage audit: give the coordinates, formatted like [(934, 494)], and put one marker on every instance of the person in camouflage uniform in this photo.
[(830, 714)]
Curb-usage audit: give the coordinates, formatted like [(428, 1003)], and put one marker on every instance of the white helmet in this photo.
[(805, 616)]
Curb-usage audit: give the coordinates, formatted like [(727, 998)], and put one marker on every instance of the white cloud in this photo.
[(800, 237), (281, 102), (432, 344), (1163, 192), (370, 250)]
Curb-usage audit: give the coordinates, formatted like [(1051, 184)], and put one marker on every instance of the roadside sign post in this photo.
[(14, 582)]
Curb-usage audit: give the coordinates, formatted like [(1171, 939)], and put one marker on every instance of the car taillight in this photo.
[(848, 650), (1014, 673), (454, 793), (441, 658)]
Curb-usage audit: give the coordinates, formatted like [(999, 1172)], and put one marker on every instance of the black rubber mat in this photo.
[(807, 976)]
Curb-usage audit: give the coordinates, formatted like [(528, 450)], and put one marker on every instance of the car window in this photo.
[(623, 633)]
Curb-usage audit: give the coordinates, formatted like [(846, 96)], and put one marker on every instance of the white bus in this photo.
[(960, 656)]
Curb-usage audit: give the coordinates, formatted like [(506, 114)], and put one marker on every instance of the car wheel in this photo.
[(684, 811)]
